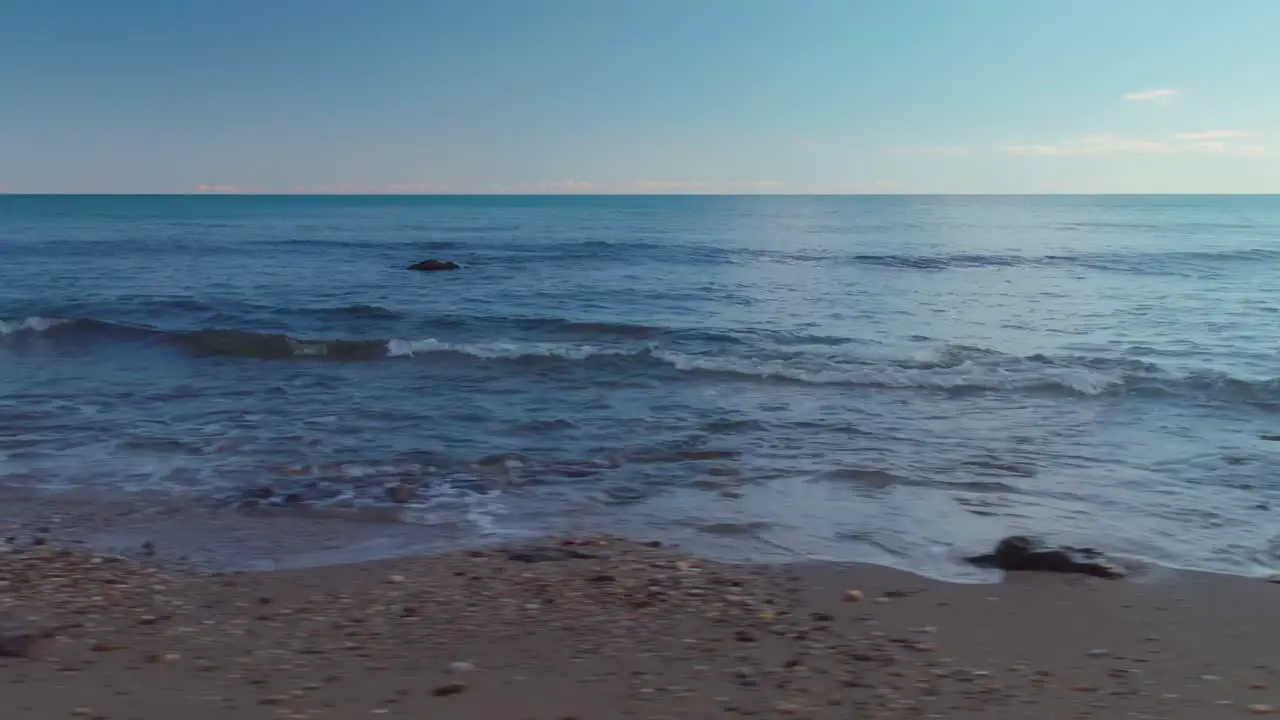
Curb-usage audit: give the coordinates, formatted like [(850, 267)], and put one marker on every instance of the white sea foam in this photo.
[(29, 324), (492, 351), (965, 375), (1002, 374)]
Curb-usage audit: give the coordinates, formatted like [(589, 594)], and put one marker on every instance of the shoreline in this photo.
[(605, 627), (265, 540)]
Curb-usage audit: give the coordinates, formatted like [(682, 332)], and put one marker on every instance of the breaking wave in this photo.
[(30, 324), (952, 369)]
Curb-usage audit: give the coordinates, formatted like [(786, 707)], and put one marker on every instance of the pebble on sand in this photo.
[(452, 688), (1261, 709), (854, 595)]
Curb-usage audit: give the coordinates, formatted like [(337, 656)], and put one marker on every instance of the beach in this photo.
[(576, 360), (602, 627)]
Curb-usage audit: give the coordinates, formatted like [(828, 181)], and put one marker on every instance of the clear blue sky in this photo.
[(797, 96)]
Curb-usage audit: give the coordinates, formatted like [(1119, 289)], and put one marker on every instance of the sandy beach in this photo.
[(609, 628)]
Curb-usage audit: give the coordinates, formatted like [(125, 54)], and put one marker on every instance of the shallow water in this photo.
[(892, 379)]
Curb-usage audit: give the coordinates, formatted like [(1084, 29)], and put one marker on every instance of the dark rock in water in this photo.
[(1272, 438), (433, 265), (502, 461), (260, 493), (294, 498), (401, 493), (1019, 553), (541, 554)]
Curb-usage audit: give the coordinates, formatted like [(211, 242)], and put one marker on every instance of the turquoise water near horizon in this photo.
[(893, 379)]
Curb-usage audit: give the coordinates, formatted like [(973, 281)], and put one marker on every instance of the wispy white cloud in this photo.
[(1090, 145), (943, 150), (548, 187), (414, 188), (873, 187), (1161, 95), (223, 189), (1212, 142), (1213, 135), (698, 186)]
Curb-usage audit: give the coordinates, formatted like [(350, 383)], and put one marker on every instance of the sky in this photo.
[(640, 96)]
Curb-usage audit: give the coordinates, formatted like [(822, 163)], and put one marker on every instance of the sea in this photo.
[(896, 380)]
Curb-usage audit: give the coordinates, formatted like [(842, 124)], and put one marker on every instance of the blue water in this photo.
[(891, 379)]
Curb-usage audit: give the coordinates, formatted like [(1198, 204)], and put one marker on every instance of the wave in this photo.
[(365, 243), (503, 351), (950, 369), (1176, 262), (982, 371), (29, 324), (963, 376), (217, 342), (1170, 262)]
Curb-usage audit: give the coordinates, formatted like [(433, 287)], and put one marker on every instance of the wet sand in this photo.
[(607, 628)]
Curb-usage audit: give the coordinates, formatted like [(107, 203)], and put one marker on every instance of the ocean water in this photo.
[(899, 380)]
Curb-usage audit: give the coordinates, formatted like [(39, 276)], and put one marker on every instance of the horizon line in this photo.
[(9, 193)]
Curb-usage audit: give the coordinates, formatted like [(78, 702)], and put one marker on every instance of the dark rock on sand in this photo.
[(22, 643), (1021, 553), (452, 688), (433, 265), (548, 554)]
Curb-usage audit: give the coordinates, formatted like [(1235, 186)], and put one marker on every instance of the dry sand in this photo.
[(629, 632)]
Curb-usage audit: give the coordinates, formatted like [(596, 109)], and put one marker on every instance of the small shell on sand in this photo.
[(1261, 709), (853, 595)]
